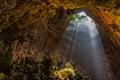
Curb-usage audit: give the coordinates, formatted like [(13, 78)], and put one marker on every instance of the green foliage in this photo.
[(68, 73), (5, 61), (76, 17), (1, 43), (2, 76), (69, 65), (65, 72), (30, 69), (49, 66)]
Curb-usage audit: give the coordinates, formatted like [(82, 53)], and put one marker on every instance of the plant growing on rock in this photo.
[(63, 74)]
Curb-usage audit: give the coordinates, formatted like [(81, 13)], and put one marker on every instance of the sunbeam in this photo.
[(87, 49)]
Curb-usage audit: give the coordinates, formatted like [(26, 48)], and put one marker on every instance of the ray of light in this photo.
[(87, 49)]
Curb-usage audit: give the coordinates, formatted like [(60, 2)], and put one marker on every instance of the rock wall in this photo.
[(33, 28)]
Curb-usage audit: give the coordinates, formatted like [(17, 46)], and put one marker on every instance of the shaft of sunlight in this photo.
[(88, 51)]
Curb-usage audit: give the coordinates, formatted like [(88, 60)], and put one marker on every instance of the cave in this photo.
[(59, 40)]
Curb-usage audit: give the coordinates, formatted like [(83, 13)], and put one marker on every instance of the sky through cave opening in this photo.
[(86, 48)]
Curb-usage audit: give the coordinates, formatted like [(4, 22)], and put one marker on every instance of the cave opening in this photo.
[(84, 46)]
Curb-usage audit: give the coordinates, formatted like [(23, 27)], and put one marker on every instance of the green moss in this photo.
[(48, 66)]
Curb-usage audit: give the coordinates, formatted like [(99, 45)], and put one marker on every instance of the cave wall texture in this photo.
[(32, 28)]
